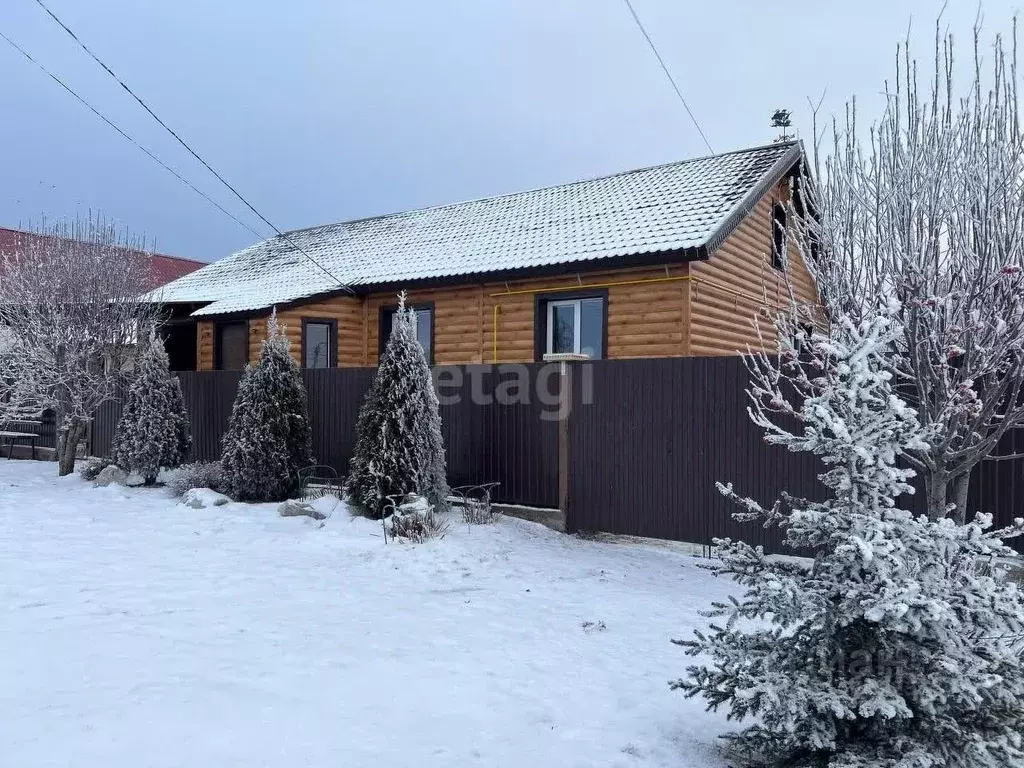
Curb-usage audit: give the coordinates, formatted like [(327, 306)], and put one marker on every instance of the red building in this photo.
[(181, 348), (163, 268)]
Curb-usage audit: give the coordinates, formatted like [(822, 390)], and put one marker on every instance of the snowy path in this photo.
[(139, 633)]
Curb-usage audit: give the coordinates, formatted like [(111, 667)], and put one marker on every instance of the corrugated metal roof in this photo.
[(679, 206), (167, 268)]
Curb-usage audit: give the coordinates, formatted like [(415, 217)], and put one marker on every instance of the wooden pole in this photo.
[(564, 361), (564, 412)]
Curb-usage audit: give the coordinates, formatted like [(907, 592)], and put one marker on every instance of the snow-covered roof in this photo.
[(685, 206)]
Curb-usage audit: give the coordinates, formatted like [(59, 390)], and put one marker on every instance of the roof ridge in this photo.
[(487, 198), (178, 258), (766, 179)]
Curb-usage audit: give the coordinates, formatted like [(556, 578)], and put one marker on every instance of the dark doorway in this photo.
[(231, 346), (180, 343)]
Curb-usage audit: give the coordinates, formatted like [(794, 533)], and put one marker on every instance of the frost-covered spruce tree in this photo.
[(154, 430), (268, 439), (894, 645), (399, 449)]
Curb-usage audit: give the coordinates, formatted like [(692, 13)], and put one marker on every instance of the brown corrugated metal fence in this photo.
[(657, 434), (647, 450), (494, 432), (648, 439), (486, 440)]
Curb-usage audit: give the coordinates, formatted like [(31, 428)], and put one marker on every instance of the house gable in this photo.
[(728, 323)]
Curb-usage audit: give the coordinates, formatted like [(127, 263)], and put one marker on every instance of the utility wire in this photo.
[(183, 143), (664, 68), (106, 120)]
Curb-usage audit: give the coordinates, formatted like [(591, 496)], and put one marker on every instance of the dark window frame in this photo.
[(780, 235), (332, 339), (540, 317), (218, 352), (386, 309)]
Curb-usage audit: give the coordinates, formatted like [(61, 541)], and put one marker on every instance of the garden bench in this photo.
[(13, 437)]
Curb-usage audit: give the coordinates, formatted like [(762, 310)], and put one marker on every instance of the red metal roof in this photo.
[(164, 268), (167, 268)]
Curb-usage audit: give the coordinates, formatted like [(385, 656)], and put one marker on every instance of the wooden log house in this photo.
[(689, 258)]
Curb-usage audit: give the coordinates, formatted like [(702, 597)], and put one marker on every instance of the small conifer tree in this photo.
[(399, 449), (269, 438), (154, 429), (898, 644)]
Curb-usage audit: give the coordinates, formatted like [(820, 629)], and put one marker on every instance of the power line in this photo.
[(106, 120), (183, 143), (664, 68)]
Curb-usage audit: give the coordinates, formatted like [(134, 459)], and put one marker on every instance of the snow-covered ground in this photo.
[(137, 632)]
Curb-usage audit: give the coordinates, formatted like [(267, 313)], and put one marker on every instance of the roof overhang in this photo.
[(784, 166)]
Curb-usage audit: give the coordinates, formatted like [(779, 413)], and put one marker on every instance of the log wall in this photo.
[(726, 322), (645, 319), (346, 311), (204, 347)]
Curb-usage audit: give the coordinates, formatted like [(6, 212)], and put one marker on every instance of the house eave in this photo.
[(637, 260)]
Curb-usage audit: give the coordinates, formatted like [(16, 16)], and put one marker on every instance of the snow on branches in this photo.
[(928, 212), (399, 449), (269, 437), (154, 429), (894, 645), (71, 310)]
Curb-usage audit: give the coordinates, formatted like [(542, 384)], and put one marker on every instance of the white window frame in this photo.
[(577, 315), (416, 324)]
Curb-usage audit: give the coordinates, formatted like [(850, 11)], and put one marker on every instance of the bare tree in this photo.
[(70, 304), (929, 211)]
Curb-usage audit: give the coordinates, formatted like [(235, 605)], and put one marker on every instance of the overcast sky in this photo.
[(326, 110)]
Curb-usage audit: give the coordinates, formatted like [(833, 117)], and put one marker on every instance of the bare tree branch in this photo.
[(927, 209), (71, 317)]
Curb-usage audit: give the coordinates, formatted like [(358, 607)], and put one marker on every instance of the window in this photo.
[(231, 346), (319, 343), (424, 323), (572, 324), (779, 236)]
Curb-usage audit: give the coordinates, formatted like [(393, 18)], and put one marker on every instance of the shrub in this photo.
[(416, 521), (153, 431), (201, 474), (479, 512), (398, 445), (268, 439), (92, 468)]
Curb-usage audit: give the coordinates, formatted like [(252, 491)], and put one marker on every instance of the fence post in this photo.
[(564, 414)]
